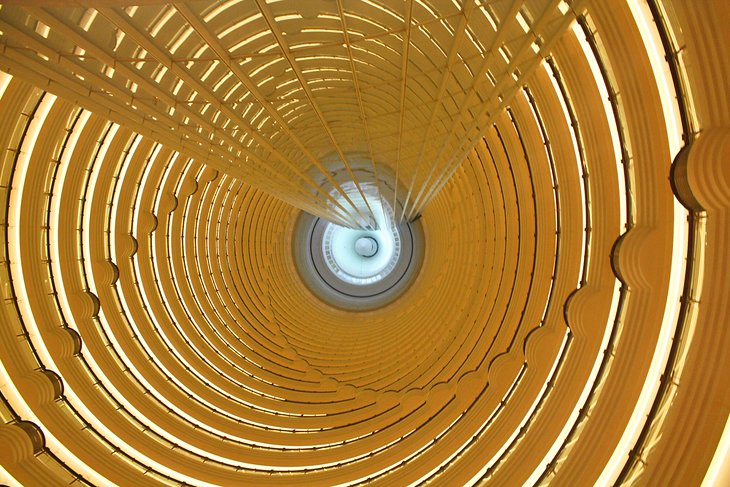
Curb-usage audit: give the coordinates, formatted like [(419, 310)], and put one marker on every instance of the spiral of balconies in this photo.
[(566, 163)]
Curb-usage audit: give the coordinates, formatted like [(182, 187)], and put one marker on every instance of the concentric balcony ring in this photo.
[(353, 281)]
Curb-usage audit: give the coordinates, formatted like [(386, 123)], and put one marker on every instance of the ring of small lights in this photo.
[(320, 272), (387, 240)]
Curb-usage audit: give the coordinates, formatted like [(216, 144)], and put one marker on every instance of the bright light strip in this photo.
[(179, 411), (54, 217), (661, 352), (718, 472), (475, 41), (204, 337), (655, 50), (503, 52), (180, 40), (526, 418), (70, 394), (382, 470), (580, 404), (211, 219), (428, 444), (87, 19), (5, 79), (495, 412), (204, 77), (142, 183), (160, 365), (160, 23), (181, 332), (125, 447), (58, 448), (610, 118), (248, 40), (578, 164), (294, 16), (553, 185), (384, 10), (448, 460), (492, 415), (221, 8), (523, 23), (11, 393), (266, 65), (115, 199), (137, 455), (200, 219), (488, 16), (80, 405), (8, 479), (117, 346)]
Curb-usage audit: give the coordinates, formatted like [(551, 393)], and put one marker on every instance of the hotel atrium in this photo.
[(348, 242)]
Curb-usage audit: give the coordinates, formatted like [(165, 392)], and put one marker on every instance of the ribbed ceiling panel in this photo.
[(285, 98)]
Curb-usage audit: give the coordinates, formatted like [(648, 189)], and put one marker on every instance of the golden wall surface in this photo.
[(569, 163)]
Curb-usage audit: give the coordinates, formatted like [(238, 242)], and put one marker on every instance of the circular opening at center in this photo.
[(362, 257), (366, 246), (359, 267)]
